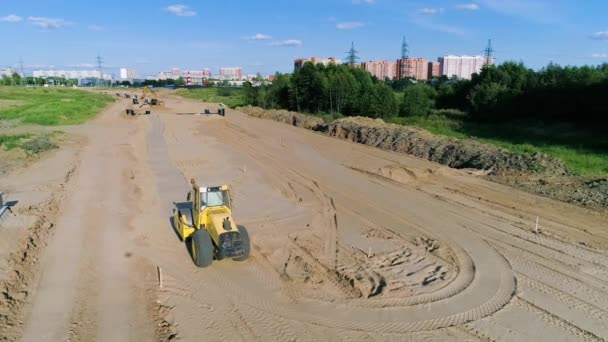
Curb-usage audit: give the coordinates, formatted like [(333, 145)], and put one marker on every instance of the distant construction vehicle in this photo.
[(205, 223), (153, 97)]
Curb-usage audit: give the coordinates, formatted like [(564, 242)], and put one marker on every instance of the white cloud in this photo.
[(430, 11), (12, 18), (289, 42), (82, 65), (601, 35), (600, 55), (38, 66), (541, 11), (468, 7), (47, 23), (181, 10), (95, 28), (260, 36), (349, 25), (430, 25)]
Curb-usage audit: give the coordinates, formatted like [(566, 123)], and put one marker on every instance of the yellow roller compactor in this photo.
[(205, 223)]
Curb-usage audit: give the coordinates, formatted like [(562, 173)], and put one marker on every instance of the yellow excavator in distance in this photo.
[(153, 97), (205, 223)]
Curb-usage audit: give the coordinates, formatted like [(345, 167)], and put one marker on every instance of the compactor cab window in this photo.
[(214, 199)]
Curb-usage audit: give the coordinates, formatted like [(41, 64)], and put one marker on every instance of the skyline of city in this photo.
[(266, 36)]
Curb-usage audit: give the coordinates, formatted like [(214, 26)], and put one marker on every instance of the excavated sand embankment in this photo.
[(537, 173)]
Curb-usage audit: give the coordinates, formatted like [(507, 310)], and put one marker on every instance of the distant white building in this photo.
[(461, 66), (72, 74), (8, 72), (128, 74)]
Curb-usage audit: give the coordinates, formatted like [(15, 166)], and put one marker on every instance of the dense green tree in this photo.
[(418, 100), (383, 103), (180, 82)]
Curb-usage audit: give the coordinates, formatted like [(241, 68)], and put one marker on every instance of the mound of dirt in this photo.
[(455, 153), (291, 118), (591, 192), (536, 173)]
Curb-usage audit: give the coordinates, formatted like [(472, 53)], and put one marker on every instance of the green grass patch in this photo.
[(231, 97), (583, 148), (29, 143), (51, 106), (11, 141)]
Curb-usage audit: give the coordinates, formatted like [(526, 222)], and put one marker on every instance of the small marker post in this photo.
[(160, 276)]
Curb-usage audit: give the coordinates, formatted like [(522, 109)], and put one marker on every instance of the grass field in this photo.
[(583, 149), (231, 97), (50, 106)]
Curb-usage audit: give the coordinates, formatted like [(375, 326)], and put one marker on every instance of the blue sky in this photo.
[(265, 36)]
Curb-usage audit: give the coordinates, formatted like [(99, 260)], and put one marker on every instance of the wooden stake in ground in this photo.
[(536, 227), (160, 276)]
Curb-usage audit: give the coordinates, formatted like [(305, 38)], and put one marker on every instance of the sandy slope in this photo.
[(349, 243)]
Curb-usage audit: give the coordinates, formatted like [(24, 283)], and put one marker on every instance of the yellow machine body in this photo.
[(209, 208)]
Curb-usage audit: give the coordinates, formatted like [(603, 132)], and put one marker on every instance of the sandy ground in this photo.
[(349, 243)]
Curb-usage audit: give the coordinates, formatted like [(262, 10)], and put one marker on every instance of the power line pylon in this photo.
[(351, 56), (404, 49), (100, 80), (489, 51)]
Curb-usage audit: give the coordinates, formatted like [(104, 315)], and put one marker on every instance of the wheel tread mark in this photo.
[(555, 320), (537, 271), (564, 298), (504, 294)]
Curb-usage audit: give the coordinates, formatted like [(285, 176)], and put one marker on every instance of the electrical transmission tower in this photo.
[(405, 65), (489, 51), (21, 69), (351, 56), (100, 80), (404, 49)]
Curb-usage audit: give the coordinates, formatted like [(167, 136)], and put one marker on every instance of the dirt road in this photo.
[(349, 243)]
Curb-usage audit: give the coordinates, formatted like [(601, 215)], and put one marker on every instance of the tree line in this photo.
[(333, 89), (498, 93), (16, 80)]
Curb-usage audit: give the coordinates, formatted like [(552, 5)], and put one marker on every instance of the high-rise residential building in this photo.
[(434, 70), (416, 68), (175, 72), (461, 66), (299, 63), (128, 74), (233, 73), (381, 69)]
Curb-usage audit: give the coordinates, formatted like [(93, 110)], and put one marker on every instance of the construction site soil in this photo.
[(349, 242), (537, 173)]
